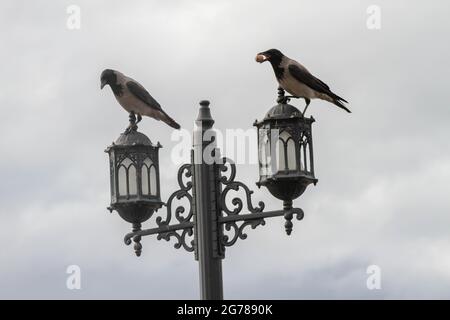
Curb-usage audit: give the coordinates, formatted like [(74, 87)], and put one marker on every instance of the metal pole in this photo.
[(206, 223)]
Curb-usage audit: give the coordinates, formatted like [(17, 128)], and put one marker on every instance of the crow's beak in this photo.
[(261, 58), (102, 84)]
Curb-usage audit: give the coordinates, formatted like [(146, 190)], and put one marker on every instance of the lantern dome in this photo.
[(283, 111), (133, 138)]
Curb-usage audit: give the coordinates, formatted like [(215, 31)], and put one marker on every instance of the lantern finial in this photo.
[(281, 97)]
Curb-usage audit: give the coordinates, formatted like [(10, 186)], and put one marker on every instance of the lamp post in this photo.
[(286, 163), (286, 169)]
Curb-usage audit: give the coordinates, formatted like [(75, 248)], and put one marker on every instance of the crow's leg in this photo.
[(308, 101), (288, 98), (285, 99), (132, 125), (139, 118)]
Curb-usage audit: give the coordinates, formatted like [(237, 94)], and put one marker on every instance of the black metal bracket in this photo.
[(164, 230), (256, 216)]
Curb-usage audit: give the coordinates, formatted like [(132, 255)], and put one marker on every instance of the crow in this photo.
[(297, 80), (133, 97)]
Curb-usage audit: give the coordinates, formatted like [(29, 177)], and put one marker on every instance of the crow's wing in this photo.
[(139, 92), (307, 78)]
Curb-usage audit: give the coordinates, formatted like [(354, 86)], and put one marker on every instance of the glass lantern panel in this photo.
[(262, 162), (307, 164), (153, 184), (126, 162), (148, 162), (281, 160), (269, 164), (122, 181), (145, 180), (283, 152), (263, 148), (145, 174), (302, 157), (291, 158), (132, 180)]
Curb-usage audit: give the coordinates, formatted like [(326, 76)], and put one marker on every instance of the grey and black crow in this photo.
[(133, 97), (297, 80)]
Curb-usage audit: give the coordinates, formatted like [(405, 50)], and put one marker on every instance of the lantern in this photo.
[(134, 176), (286, 163)]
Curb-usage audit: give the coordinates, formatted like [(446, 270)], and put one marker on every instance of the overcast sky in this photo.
[(384, 170)]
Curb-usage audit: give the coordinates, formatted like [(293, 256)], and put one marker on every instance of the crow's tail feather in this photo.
[(170, 121), (338, 101), (340, 105)]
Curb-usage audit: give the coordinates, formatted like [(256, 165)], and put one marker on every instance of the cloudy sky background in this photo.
[(384, 170)]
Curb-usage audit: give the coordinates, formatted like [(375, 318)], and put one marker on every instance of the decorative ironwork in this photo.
[(230, 184), (181, 238), (234, 222), (164, 230), (137, 239), (186, 171), (289, 213), (183, 192), (238, 231)]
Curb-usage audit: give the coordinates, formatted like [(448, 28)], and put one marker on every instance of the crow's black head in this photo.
[(108, 77), (274, 56)]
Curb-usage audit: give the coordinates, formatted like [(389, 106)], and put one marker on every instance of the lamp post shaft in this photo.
[(206, 224)]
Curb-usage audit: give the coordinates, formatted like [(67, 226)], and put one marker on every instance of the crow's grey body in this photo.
[(133, 97)]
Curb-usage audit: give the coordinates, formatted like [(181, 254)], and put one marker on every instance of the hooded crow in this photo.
[(133, 97), (297, 80)]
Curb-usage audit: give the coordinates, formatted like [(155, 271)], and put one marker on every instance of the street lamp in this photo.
[(208, 225), (285, 149), (134, 178)]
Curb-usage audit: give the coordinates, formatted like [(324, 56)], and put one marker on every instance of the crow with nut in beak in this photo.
[(297, 80)]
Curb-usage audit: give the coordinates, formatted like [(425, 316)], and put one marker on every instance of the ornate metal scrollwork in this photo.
[(183, 192), (181, 238), (238, 231), (165, 230), (231, 184), (289, 214)]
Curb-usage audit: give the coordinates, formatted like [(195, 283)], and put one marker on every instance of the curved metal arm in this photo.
[(183, 192), (164, 230), (255, 218), (230, 184)]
